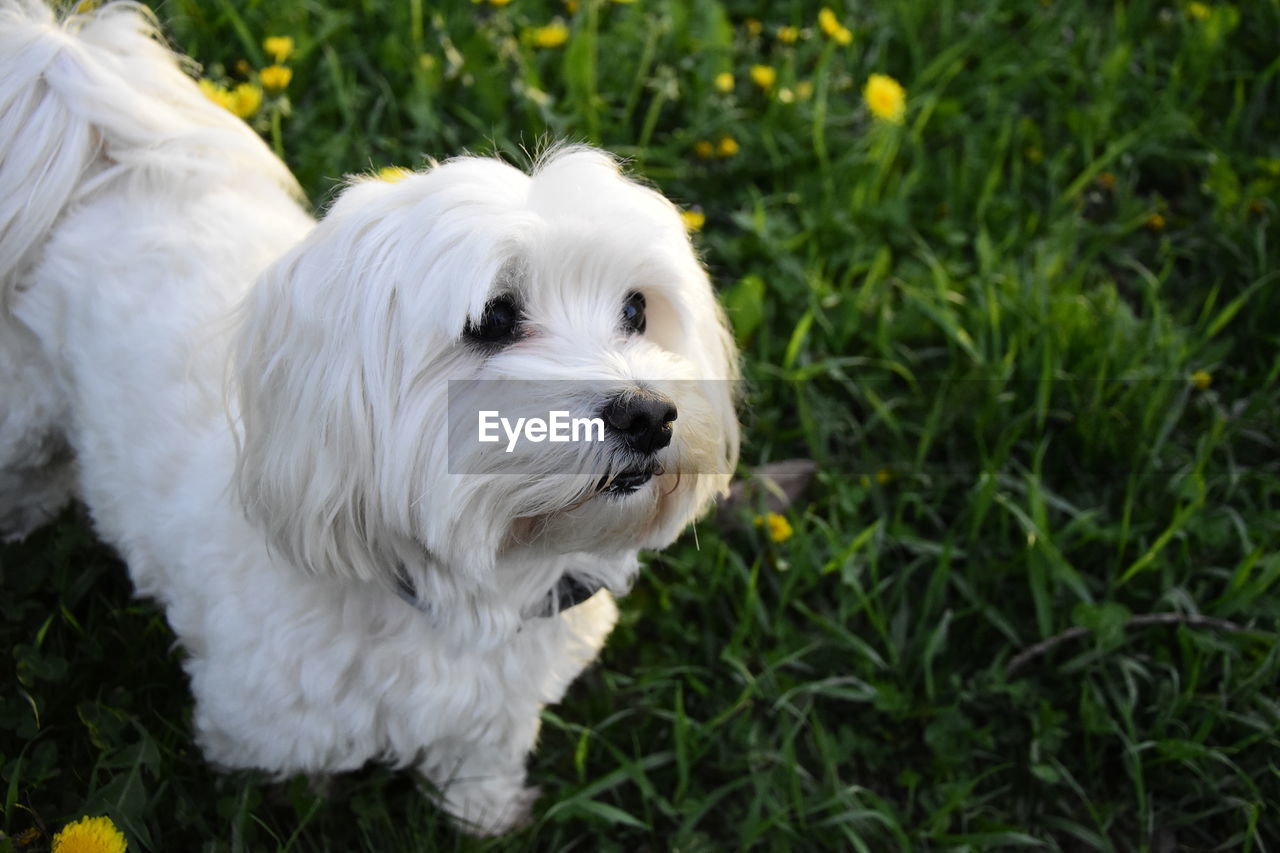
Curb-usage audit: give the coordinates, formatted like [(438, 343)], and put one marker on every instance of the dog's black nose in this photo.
[(643, 420)]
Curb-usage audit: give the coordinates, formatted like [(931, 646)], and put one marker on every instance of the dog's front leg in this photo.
[(482, 784)]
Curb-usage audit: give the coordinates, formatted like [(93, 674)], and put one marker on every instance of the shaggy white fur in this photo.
[(254, 407)]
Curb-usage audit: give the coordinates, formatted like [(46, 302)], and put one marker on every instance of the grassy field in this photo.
[(1030, 334)]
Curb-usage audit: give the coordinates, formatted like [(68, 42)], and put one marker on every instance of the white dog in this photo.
[(256, 409)]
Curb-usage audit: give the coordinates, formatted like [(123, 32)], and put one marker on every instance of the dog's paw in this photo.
[(490, 808)]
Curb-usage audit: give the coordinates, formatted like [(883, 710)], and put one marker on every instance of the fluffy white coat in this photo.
[(253, 407)]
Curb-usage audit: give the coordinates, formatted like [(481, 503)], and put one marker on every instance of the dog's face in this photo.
[(372, 355)]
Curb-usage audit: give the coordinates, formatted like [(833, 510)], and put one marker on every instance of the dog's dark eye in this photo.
[(633, 313), (499, 324)]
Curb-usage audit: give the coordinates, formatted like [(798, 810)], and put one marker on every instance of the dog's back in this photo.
[(44, 154), (91, 105)]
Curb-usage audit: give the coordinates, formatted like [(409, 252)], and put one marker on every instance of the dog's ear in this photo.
[(688, 320), (342, 429), (705, 339), (720, 353)]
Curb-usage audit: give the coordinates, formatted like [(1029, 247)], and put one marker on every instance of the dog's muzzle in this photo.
[(641, 422)]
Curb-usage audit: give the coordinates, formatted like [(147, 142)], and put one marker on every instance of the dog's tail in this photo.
[(96, 97)]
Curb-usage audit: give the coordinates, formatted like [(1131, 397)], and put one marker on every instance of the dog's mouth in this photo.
[(629, 480)]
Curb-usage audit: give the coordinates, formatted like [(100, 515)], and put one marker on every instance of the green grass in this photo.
[(975, 305)]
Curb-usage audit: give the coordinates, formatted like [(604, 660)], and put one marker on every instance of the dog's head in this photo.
[(372, 356)]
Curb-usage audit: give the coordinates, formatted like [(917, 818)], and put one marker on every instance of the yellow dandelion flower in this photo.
[(391, 174), (1155, 222), (754, 26), (1199, 11), (727, 147), (693, 219), (499, 2), (832, 28), (552, 35), (724, 82), (1201, 380), (216, 93), (764, 76), (245, 100), (886, 98), (279, 48), (788, 35), (804, 90), (89, 835), (704, 149), (779, 528), (275, 77), (884, 476)]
